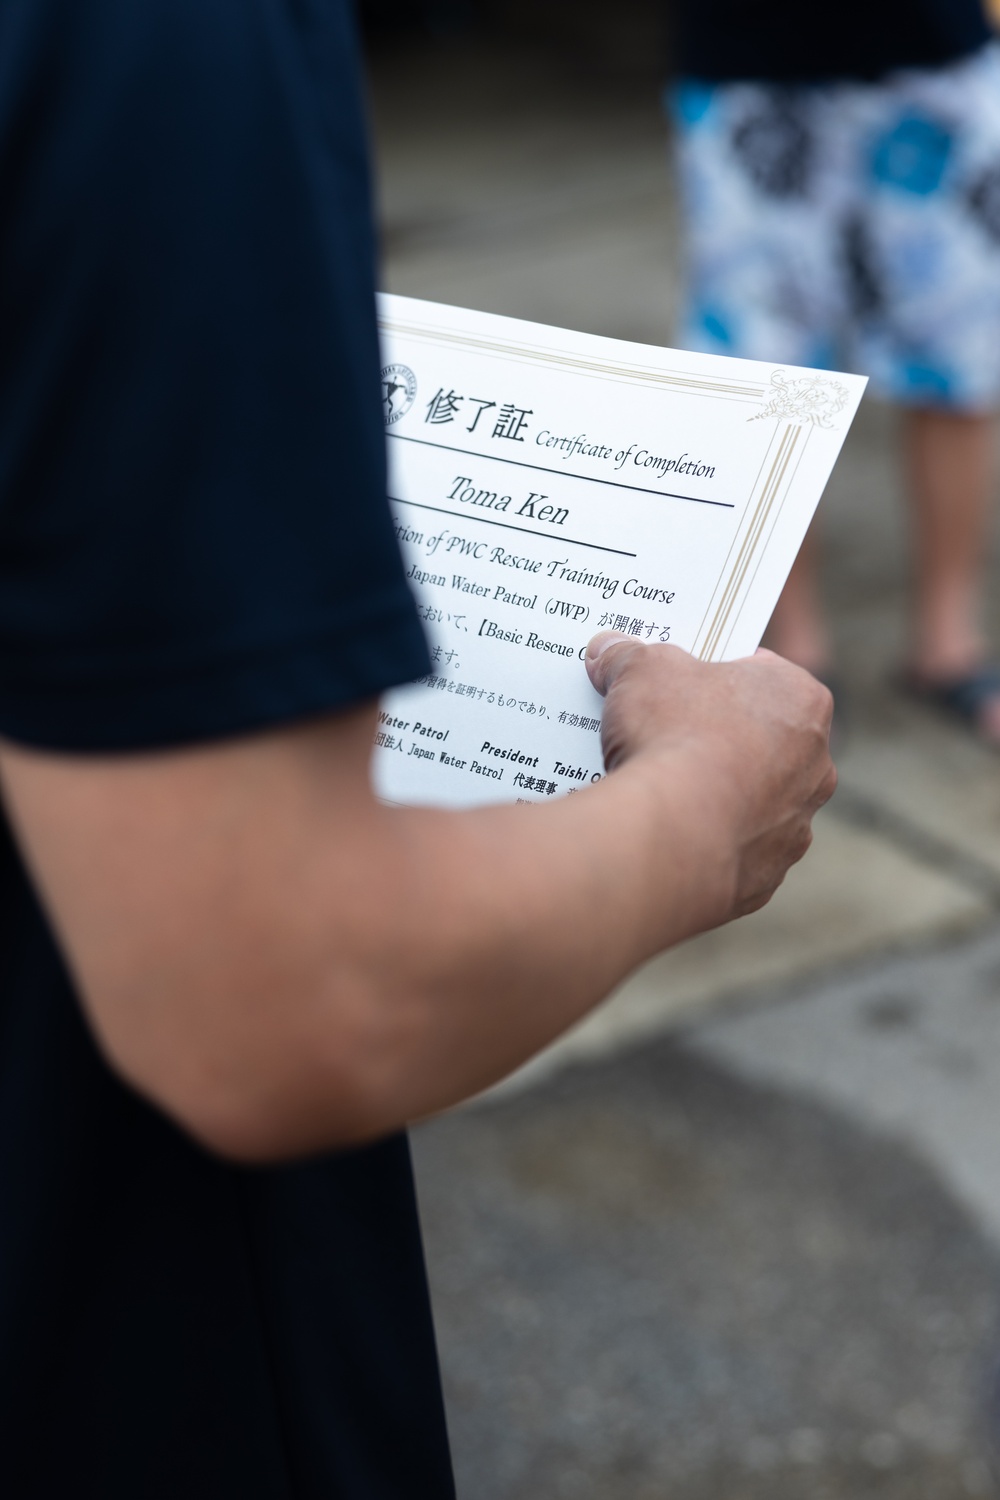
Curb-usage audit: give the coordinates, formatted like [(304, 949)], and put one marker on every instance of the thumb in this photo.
[(603, 662)]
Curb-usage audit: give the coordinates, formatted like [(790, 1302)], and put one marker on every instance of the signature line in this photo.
[(545, 535)]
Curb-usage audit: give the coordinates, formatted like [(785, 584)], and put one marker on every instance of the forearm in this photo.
[(511, 923), (289, 965), (354, 1000)]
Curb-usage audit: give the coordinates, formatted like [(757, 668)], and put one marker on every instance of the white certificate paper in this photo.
[(546, 485)]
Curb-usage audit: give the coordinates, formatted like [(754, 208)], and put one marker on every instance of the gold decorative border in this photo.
[(628, 374), (712, 638)]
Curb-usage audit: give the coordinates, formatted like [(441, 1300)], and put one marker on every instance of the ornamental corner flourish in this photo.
[(811, 399)]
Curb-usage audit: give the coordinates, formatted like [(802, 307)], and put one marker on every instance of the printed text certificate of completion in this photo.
[(546, 485)]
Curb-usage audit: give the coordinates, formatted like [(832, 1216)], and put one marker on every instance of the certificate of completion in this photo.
[(546, 485)]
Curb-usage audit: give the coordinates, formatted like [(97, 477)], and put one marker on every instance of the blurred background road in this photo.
[(738, 1236)]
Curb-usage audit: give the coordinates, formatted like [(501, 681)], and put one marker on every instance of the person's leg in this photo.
[(950, 463), (950, 470), (798, 629), (931, 222)]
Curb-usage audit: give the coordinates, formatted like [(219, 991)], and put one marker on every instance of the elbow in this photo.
[(246, 1130), (259, 1105), (265, 1121)]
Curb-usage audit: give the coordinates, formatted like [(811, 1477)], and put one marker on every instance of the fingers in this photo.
[(826, 788), (762, 720), (599, 669), (610, 652)]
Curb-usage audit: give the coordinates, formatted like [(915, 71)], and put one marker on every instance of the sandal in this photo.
[(960, 697)]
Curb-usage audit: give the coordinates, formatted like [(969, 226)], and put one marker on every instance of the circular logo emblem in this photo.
[(399, 390)]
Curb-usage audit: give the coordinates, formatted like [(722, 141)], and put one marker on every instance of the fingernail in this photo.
[(600, 642)]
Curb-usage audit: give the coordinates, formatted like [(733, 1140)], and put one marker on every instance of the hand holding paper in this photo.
[(750, 738)]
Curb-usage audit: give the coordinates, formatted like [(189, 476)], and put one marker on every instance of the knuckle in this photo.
[(824, 697), (822, 718)]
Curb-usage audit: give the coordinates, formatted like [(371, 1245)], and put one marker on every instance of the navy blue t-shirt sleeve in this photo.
[(194, 535)]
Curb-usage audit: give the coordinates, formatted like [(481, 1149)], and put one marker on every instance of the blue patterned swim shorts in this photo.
[(849, 225)]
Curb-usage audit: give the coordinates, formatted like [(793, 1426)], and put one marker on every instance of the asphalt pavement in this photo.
[(655, 1277)]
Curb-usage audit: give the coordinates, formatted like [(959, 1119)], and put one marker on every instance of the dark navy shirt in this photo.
[(785, 41), (194, 543)]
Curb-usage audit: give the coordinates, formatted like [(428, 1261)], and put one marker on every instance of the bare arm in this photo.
[(282, 964)]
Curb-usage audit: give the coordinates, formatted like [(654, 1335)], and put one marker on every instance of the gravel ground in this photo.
[(653, 1279)]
